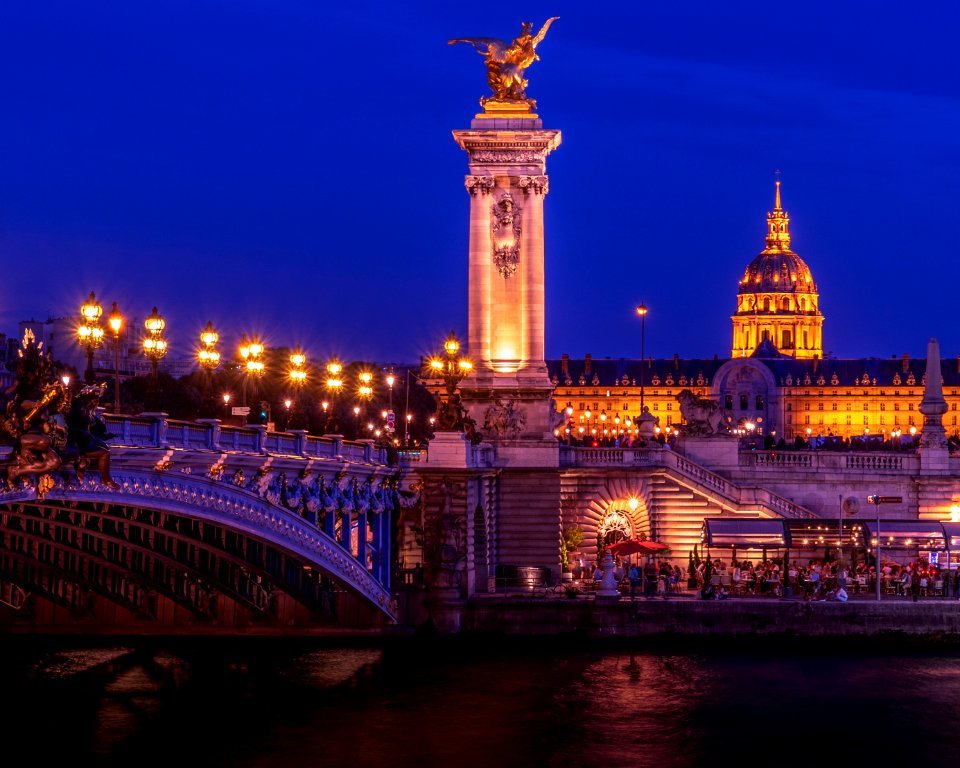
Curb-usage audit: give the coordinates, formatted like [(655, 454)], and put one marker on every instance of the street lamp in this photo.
[(298, 377), (334, 384), (391, 378), (154, 347), (452, 370), (642, 311), (207, 356), (89, 332), (208, 359), (115, 321), (251, 351), (226, 405)]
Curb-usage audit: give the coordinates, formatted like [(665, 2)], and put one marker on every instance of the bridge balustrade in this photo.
[(154, 430), (815, 461)]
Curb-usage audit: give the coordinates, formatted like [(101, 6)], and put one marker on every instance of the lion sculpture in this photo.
[(702, 416)]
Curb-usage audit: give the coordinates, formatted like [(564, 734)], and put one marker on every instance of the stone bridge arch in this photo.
[(194, 549)]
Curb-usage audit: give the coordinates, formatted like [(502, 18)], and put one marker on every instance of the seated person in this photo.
[(838, 593)]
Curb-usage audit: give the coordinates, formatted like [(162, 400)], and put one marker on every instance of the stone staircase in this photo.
[(677, 513)]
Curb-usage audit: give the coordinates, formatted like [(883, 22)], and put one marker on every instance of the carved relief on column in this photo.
[(479, 184), (505, 233), (538, 185)]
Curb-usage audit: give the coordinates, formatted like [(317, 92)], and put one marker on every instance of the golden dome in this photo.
[(777, 269), (777, 272)]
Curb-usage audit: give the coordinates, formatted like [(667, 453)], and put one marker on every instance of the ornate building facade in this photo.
[(776, 382)]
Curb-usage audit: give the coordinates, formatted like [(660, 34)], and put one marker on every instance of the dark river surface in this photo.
[(270, 702)]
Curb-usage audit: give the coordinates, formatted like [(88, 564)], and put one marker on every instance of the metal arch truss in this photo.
[(187, 498)]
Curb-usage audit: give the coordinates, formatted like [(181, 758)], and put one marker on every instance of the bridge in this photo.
[(208, 525)]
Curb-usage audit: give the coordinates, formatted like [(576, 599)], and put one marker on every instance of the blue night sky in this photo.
[(286, 168)]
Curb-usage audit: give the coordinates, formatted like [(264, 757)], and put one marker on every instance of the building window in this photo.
[(909, 406), (896, 420), (820, 408), (833, 406), (806, 419), (849, 420), (759, 401), (789, 406), (728, 402), (669, 406), (806, 406), (866, 406), (786, 338), (883, 406), (866, 420), (789, 418), (743, 402), (656, 406), (669, 420), (896, 406)]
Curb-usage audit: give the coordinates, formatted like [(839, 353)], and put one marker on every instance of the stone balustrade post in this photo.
[(260, 441), (368, 449), (300, 438), (213, 432), (159, 427)]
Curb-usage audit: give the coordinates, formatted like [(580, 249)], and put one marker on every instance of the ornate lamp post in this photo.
[(115, 321), (298, 377), (89, 333), (208, 359), (154, 348), (251, 352), (364, 393), (451, 369), (207, 355), (334, 384), (642, 312)]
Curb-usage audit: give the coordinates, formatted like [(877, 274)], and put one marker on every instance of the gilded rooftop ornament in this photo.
[(506, 64)]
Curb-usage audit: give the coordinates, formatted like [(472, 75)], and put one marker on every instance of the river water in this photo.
[(268, 702)]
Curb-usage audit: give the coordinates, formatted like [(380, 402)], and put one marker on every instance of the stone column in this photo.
[(534, 188), (478, 307)]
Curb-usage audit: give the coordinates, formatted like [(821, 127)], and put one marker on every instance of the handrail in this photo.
[(155, 430), (706, 481)]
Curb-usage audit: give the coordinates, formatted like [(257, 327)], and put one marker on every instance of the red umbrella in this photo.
[(636, 547)]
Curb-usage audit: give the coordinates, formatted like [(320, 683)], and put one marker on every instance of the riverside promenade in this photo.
[(687, 616)]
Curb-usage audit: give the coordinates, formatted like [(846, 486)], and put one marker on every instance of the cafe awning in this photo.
[(745, 533), (952, 534), (908, 534)]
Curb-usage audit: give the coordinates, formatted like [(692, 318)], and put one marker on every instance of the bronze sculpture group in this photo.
[(507, 62), (47, 425)]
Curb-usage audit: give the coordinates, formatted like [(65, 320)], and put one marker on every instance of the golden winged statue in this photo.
[(506, 62)]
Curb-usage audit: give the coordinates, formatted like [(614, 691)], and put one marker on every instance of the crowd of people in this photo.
[(815, 579)]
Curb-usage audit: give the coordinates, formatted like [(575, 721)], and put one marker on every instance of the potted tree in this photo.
[(694, 563), (571, 539)]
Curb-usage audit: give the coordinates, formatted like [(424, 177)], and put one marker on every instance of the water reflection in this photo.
[(279, 703)]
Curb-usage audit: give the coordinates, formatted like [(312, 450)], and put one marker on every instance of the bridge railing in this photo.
[(155, 430), (826, 461)]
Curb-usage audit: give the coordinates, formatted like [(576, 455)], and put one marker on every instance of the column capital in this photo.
[(538, 185), (481, 185)]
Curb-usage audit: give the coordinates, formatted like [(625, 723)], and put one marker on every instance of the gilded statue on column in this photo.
[(507, 63)]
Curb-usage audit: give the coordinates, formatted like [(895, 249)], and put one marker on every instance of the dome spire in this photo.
[(778, 224)]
